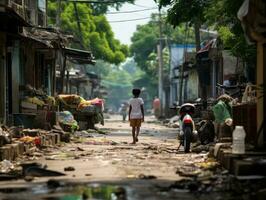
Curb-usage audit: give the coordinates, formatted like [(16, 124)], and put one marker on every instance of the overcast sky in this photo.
[(124, 30)]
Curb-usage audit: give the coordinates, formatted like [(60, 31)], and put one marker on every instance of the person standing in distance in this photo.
[(136, 114)]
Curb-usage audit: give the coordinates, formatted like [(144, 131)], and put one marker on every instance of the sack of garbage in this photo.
[(66, 118)]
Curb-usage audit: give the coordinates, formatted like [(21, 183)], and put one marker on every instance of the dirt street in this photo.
[(107, 167), (112, 157)]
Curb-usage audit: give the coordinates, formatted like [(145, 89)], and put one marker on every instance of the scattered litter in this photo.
[(88, 174), (29, 178), (36, 170), (80, 149), (6, 166), (142, 176), (69, 168), (100, 141), (7, 177)]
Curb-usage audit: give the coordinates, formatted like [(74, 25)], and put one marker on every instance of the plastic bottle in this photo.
[(239, 135)]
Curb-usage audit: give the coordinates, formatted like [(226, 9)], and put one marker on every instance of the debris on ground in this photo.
[(36, 170), (100, 141), (70, 168), (142, 176)]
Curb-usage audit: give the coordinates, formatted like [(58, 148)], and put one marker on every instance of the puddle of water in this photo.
[(12, 190), (80, 192), (95, 192), (184, 189)]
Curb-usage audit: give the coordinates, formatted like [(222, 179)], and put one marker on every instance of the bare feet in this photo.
[(133, 143), (137, 139)]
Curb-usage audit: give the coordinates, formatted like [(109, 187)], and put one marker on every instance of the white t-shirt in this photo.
[(136, 108)]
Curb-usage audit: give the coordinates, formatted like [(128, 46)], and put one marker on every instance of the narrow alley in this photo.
[(132, 99), (104, 163)]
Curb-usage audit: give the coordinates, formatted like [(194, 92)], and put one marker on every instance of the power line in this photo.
[(131, 11), (140, 6), (122, 12), (129, 20), (91, 1)]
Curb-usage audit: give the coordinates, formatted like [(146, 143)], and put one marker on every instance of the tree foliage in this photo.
[(146, 38), (229, 28), (117, 79), (219, 14), (184, 10), (95, 34), (101, 8)]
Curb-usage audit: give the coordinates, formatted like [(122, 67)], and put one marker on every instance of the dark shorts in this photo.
[(135, 122)]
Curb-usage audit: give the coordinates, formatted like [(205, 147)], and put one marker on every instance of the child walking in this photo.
[(136, 114)]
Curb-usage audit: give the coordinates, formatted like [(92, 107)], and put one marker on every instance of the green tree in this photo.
[(92, 32), (186, 11), (218, 14), (118, 79), (102, 8), (144, 50), (145, 40), (222, 15)]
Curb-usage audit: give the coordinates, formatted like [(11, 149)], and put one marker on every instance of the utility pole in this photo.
[(59, 54), (181, 70), (78, 23), (160, 70), (58, 14)]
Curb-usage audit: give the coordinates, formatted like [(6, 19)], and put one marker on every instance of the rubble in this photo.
[(70, 168), (5, 136), (37, 170)]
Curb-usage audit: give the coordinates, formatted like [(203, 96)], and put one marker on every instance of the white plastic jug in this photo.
[(239, 135)]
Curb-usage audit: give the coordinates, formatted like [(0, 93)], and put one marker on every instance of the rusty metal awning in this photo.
[(46, 43), (79, 56), (50, 37)]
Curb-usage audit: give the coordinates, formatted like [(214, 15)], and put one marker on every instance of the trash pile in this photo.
[(67, 121), (39, 110), (206, 178), (40, 124), (36, 99), (18, 144), (89, 111), (219, 186), (16, 141), (27, 171)]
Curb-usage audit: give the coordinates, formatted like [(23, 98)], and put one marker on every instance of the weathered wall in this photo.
[(28, 56), (192, 85), (2, 76), (229, 65), (15, 66)]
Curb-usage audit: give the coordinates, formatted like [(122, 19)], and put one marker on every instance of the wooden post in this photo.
[(63, 76), (15, 76), (260, 76), (2, 78), (263, 98), (67, 82), (197, 34)]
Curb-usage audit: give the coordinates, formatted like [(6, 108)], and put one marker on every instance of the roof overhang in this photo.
[(52, 38), (10, 19), (44, 43), (79, 56)]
